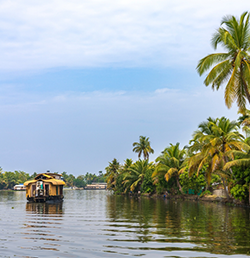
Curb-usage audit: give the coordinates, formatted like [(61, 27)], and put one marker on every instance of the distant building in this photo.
[(96, 186)]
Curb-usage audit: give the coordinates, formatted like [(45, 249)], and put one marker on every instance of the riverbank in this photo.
[(207, 198)]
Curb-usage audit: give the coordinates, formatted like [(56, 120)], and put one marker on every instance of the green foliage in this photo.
[(232, 67), (119, 186), (170, 164), (194, 182), (79, 182), (143, 147), (162, 185), (112, 171), (82, 180), (239, 184), (240, 192), (9, 179), (207, 192), (159, 189), (134, 178), (147, 185)]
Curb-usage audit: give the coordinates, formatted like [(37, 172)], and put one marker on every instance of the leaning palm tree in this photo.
[(170, 164), (211, 146), (243, 156), (233, 66), (143, 147)]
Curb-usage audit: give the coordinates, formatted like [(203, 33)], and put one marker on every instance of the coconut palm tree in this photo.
[(170, 164), (111, 174), (211, 144), (243, 159), (143, 147), (233, 66), (244, 120), (243, 156), (134, 177)]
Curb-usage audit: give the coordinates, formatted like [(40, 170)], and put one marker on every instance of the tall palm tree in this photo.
[(143, 147), (211, 144), (170, 164), (233, 66)]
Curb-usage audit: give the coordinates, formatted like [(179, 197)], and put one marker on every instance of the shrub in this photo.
[(207, 192), (239, 192)]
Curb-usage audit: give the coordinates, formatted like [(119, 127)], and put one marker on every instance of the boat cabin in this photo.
[(45, 187), (19, 187)]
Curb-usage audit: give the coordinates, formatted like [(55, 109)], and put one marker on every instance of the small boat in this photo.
[(46, 187)]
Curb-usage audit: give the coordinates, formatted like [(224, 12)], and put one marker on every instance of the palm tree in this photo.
[(243, 159), (126, 166), (111, 174), (143, 147), (245, 121), (133, 178), (171, 164), (233, 66), (210, 146), (243, 156)]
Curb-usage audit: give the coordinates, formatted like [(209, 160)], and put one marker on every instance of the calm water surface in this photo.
[(98, 224)]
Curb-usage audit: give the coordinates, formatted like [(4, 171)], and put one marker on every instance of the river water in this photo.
[(99, 224)]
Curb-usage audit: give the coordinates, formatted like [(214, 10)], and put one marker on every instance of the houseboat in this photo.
[(20, 187), (45, 187)]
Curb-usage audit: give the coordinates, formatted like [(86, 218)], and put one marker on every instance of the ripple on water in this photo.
[(97, 224)]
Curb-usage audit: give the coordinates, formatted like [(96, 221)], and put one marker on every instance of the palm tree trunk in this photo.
[(230, 169), (249, 195), (245, 85), (225, 188)]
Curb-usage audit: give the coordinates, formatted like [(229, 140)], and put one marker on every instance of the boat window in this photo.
[(46, 189), (60, 190), (33, 190)]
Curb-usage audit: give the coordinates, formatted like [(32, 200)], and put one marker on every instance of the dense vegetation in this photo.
[(218, 154), (9, 179)]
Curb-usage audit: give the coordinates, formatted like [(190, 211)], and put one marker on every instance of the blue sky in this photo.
[(80, 81)]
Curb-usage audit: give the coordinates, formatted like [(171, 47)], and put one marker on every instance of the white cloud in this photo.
[(44, 34), (165, 90)]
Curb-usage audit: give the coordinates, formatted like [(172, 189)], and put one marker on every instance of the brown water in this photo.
[(98, 224)]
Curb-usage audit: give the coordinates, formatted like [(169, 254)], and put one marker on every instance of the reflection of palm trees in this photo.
[(209, 227)]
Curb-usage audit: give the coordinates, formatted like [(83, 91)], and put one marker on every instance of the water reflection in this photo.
[(97, 224), (45, 208), (208, 227)]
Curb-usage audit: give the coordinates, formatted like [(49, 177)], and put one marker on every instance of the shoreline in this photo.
[(196, 198)]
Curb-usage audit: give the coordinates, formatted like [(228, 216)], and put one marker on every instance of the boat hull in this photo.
[(45, 199)]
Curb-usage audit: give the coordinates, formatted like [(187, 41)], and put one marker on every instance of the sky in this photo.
[(81, 80)]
